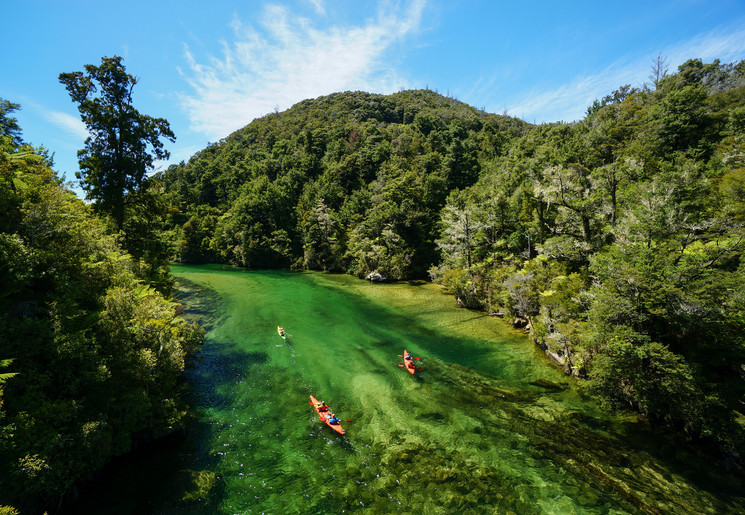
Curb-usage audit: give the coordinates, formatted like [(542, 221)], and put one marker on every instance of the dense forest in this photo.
[(92, 343), (616, 240)]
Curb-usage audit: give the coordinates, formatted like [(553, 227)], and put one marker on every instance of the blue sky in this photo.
[(210, 68)]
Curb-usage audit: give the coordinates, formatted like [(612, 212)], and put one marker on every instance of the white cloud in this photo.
[(569, 102), (289, 60), (70, 124), (727, 44), (318, 6)]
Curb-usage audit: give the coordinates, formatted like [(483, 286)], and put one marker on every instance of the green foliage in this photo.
[(615, 240), (115, 159), (6, 375), (9, 124), (618, 240), (96, 355), (348, 182), (633, 372), (196, 244)]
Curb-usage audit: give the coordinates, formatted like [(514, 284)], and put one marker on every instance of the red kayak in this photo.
[(325, 415), (409, 363)]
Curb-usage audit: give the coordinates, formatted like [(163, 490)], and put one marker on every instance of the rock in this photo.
[(519, 322), (376, 276)]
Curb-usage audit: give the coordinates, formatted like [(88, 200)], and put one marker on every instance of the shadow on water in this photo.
[(174, 475), (463, 435), (603, 463), (202, 304), (136, 482)]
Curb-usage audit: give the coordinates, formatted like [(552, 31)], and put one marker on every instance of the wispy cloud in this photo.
[(726, 43), (318, 6), (286, 59), (569, 101), (68, 123)]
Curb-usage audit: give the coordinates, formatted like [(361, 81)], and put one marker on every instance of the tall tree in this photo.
[(9, 124), (658, 69), (116, 157), (460, 224)]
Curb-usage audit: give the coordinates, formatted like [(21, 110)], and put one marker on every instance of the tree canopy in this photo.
[(122, 143), (616, 240), (90, 355)]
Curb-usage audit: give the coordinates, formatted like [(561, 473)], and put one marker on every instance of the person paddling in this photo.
[(409, 360)]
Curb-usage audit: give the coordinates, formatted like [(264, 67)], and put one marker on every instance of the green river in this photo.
[(487, 426)]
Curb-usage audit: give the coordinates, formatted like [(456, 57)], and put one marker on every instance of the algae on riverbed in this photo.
[(488, 425)]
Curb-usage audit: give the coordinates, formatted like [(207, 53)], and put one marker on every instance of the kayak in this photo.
[(324, 414), (281, 332), (409, 363)]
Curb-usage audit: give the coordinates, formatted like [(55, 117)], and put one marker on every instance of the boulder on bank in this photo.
[(376, 277), (519, 322)]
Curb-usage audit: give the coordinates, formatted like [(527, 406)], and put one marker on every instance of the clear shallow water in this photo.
[(488, 425)]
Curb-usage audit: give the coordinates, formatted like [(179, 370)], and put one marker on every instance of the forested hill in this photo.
[(348, 182), (616, 240)]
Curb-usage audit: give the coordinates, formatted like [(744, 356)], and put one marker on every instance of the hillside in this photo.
[(348, 182), (616, 241)]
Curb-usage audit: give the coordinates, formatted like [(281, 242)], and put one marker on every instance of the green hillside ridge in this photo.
[(348, 182), (615, 240)]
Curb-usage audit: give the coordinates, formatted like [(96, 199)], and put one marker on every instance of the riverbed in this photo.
[(486, 424)]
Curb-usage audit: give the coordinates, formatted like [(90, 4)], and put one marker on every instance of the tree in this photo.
[(320, 235), (96, 355), (459, 226), (577, 226), (8, 124), (658, 69), (115, 160)]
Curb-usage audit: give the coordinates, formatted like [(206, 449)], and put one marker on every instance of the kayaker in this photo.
[(321, 405), (333, 419)]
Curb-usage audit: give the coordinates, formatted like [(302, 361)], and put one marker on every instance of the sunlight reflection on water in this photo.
[(488, 425)]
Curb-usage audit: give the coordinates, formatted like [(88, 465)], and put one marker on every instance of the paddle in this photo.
[(324, 420), (401, 356), (418, 368)]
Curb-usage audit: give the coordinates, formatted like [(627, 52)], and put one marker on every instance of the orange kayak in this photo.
[(409, 363), (325, 414)]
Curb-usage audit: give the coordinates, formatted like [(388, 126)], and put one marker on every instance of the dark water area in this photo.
[(487, 426)]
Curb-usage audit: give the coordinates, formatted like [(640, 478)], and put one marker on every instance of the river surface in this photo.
[(487, 425)]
